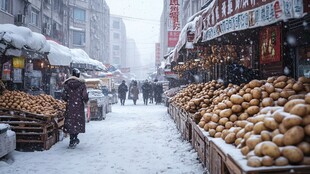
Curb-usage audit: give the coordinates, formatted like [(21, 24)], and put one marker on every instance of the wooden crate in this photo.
[(218, 158), (33, 133), (198, 142), (238, 165)]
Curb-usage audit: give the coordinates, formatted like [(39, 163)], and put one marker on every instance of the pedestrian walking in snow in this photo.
[(75, 94), (151, 95), (122, 90), (134, 93), (158, 91), (146, 87)]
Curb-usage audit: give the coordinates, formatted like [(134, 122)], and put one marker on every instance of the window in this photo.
[(34, 17), (116, 36), (5, 5), (78, 37), (116, 24), (115, 51), (79, 14), (115, 47)]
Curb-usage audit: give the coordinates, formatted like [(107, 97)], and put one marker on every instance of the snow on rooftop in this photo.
[(59, 54), (21, 37)]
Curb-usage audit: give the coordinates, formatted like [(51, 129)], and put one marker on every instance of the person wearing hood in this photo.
[(122, 90), (75, 94)]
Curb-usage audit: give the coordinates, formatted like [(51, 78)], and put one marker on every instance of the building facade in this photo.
[(81, 24), (118, 40)]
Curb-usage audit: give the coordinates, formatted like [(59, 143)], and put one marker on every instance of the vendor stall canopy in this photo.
[(22, 38), (16, 40)]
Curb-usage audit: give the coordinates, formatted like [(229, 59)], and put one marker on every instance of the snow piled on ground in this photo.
[(134, 139)]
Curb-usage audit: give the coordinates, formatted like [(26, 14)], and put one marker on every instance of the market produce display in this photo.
[(269, 120), (41, 104)]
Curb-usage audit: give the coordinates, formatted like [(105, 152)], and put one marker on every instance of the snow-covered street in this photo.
[(134, 139)]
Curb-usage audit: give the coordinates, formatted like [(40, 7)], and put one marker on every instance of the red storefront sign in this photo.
[(173, 37), (270, 44), (174, 14)]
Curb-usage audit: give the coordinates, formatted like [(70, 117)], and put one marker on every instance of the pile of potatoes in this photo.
[(40, 104), (197, 96), (231, 116)]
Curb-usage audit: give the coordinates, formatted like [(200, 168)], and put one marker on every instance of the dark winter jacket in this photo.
[(146, 88), (75, 94), (158, 91), (122, 89)]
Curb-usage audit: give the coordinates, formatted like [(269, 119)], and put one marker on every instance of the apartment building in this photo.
[(118, 42)]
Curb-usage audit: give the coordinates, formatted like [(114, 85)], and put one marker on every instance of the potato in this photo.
[(236, 108), (241, 123), (254, 102), (280, 85), (206, 127), (281, 79), (279, 115), (298, 87), (252, 141), (258, 149), (297, 96), (215, 118), (252, 110), (201, 124), (225, 132), (271, 109), (228, 103), (222, 106), (265, 94), (282, 128), (281, 101), (218, 135), (307, 130), (267, 161), (259, 127), (291, 120), (254, 161), (304, 147), (220, 128), (207, 117), (270, 123), (245, 105), (212, 125), (223, 121), (255, 83), (278, 140), (240, 134), (293, 136), (230, 138), (290, 104), (267, 102), (306, 120), (281, 161), (250, 154), (249, 127), (233, 118), (271, 149), (300, 110), (225, 113), (212, 132), (265, 135), (243, 116), (256, 93), (271, 79), (247, 97), (307, 98), (275, 96), (293, 154), (269, 88), (236, 99), (229, 124), (238, 141), (286, 93), (245, 150)]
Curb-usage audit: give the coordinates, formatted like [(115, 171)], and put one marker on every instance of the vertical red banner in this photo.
[(270, 44), (173, 37)]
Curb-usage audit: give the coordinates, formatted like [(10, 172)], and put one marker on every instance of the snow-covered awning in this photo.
[(59, 55), (21, 37), (80, 56)]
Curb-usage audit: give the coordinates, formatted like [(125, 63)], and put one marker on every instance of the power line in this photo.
[(135, 18)]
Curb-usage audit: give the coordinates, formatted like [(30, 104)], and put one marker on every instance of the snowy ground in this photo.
[(134, 139)]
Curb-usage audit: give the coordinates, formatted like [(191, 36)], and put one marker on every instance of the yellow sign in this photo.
[(18, 62)]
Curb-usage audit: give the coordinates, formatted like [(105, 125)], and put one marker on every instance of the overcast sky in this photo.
[(142, 20)]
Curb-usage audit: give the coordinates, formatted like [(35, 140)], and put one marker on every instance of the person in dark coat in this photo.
[(146, 87), (151, 95), (75, 94), (122, 90), (134, 93), (158, 91)]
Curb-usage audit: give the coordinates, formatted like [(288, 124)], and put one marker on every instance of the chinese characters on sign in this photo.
[(174, 14), (270, 44), (157, 54), (173, 37)]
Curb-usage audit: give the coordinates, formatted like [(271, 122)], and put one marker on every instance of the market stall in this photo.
[(36, 120), (258, 127)]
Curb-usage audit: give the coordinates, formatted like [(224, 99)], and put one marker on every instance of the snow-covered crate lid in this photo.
[(3, 128)]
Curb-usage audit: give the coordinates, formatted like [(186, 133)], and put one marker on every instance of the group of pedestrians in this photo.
[(152, 91)]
